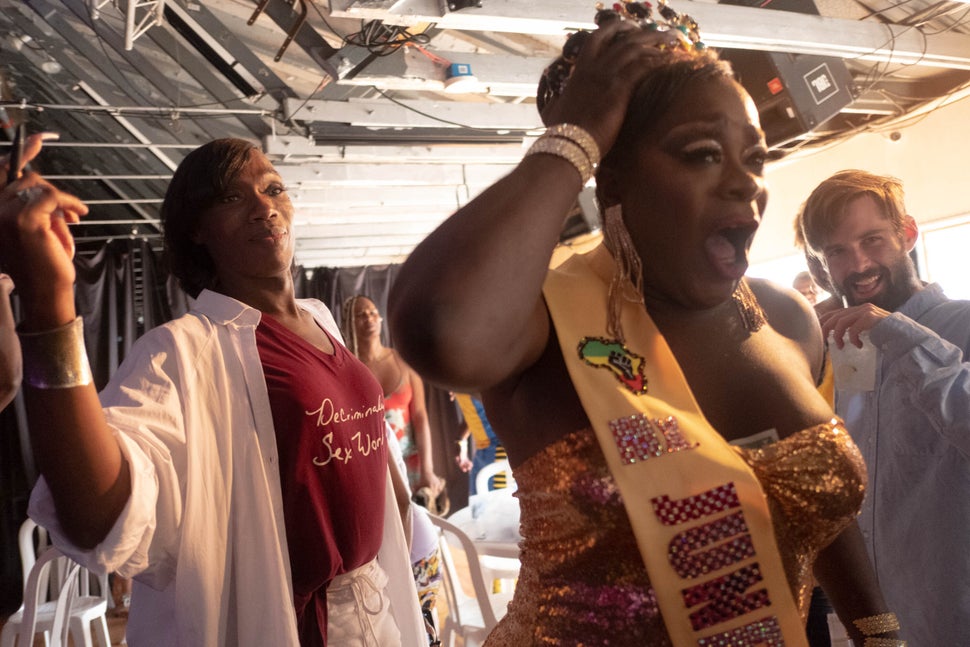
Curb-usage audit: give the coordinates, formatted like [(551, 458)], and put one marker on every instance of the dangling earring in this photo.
[(752, 316), (628, 272)]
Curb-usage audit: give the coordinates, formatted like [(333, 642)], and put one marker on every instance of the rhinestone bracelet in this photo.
[(578, 136), (566, 149), (879, 624), (883, 642)]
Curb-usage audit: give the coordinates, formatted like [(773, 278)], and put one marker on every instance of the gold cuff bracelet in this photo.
[(56, 359)]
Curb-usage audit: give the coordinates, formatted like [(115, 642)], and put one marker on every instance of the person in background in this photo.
[(913, 426), (10, 361), (805, 284), (404, 405), (816, 269), (357, 324), (617, 378), (237, 457), (487, 447)]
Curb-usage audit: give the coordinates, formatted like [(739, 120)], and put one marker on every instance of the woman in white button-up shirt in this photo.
[(173, 477)]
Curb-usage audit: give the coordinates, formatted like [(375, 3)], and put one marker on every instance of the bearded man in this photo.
[(913, 425)]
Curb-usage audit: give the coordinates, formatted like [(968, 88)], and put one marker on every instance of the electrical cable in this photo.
[(429, 116)]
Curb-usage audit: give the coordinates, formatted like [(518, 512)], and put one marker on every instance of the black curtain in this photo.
[(120, 294), (333, 285)]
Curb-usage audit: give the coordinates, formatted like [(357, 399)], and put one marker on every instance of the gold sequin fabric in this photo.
[(815, 481), (582, 581)]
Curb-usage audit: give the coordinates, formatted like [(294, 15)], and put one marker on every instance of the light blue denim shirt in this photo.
[(914, 433)]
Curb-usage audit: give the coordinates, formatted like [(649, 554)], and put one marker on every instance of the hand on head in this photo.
[(592, 83)]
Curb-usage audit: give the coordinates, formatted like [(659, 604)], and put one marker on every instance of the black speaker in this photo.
[(795, 93)]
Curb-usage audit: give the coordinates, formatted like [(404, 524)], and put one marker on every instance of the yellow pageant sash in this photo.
[(699, 514)]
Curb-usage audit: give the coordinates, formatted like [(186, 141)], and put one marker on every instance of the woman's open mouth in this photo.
[(727, 250)]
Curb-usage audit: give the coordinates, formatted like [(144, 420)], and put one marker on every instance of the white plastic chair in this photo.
[(88, 612), (490, 470), (38, 581), (470, 616)]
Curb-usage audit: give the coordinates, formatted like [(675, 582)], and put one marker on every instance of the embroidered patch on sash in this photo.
[(761, 633), (639, 438), (626, 366)]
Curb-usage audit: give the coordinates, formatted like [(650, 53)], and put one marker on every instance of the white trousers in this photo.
[(359, 610)]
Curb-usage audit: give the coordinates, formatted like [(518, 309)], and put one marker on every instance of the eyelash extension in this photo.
[(701, 152)]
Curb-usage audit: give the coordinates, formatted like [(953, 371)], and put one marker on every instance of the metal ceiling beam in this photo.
[(216, 85), (99, 177), (106, 76), (495, 74), (313, 175), (317, 202), (311, 260), (307, 39), (236, 53), (370, 175), (321, 226), (721, 26), (376, 249), (409, 114), (133, 130), (187, 58), (297, 149), (90, 48), (136, 25), (344, 134), (76, 125), (365, 231), (147, 218)]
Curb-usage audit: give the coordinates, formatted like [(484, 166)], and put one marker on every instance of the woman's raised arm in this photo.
[(72, 444), (466, 310)]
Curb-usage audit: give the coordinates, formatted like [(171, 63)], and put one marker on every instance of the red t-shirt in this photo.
[(328, 413)]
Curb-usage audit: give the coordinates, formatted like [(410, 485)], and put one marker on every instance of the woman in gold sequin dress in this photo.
[(641, 525)]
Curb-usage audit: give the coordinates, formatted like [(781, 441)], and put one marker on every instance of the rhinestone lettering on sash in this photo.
[(709, 547), (761, 633), (639, 438)]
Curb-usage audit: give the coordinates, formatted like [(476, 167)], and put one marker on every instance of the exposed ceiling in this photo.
[(351, 99)]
